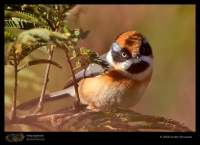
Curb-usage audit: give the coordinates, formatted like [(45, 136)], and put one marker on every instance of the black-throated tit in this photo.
[(130, 61)]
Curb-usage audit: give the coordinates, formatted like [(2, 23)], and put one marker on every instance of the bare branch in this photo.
[(91, 120), (77, 100), (12, 114), (46, 79)]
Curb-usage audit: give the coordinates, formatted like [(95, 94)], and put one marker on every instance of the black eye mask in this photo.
[(118, 53)]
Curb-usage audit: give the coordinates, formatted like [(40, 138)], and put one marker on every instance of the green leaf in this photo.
[(8, 36), (76, 52), (39, 61), (21, 51), (91, 57), (77, 64), (10, 23), (31, 35), (22, 15), (27, 49), (66, 30), (78, 33), (58, 36), (81, 63), (22, 24), (84, 50)]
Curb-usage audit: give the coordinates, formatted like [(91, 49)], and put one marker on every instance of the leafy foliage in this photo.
[(31, 27), (43, 27)]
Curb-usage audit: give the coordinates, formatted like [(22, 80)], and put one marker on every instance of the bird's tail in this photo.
[(49, 97)]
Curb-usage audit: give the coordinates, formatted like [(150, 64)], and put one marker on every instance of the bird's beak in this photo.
[(136, 55)]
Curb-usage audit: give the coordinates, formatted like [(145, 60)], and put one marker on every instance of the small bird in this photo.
[(130, 61)]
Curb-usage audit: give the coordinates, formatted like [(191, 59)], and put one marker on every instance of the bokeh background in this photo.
[(170, 30)]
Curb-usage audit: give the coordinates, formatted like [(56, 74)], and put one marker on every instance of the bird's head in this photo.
[(131, 54)]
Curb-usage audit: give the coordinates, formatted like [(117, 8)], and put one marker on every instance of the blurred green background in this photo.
[(170, 30)]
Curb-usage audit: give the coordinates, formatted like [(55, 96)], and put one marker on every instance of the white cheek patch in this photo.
[(147, 59), (109, 58), (125, 65)]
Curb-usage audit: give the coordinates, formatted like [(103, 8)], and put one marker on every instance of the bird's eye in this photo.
[(124, 54)]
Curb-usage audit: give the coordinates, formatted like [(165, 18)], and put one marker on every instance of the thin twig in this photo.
[(77, 100), (46, 79), (49, 23), (12, 114), (59, 122)]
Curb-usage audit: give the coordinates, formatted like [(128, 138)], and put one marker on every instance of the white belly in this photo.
[(108, 98)]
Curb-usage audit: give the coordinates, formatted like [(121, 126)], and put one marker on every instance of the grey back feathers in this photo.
[(90, 71)]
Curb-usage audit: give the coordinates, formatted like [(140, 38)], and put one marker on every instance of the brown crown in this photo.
[(131, 40)]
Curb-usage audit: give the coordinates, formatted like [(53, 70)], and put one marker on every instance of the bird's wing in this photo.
[(90, 71)]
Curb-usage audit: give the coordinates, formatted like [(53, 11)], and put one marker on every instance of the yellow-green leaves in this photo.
[(32, 27), (78, 33), (8, 36), (85, 56)]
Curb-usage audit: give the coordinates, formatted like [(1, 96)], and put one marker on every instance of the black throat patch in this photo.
[(138, 67)]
